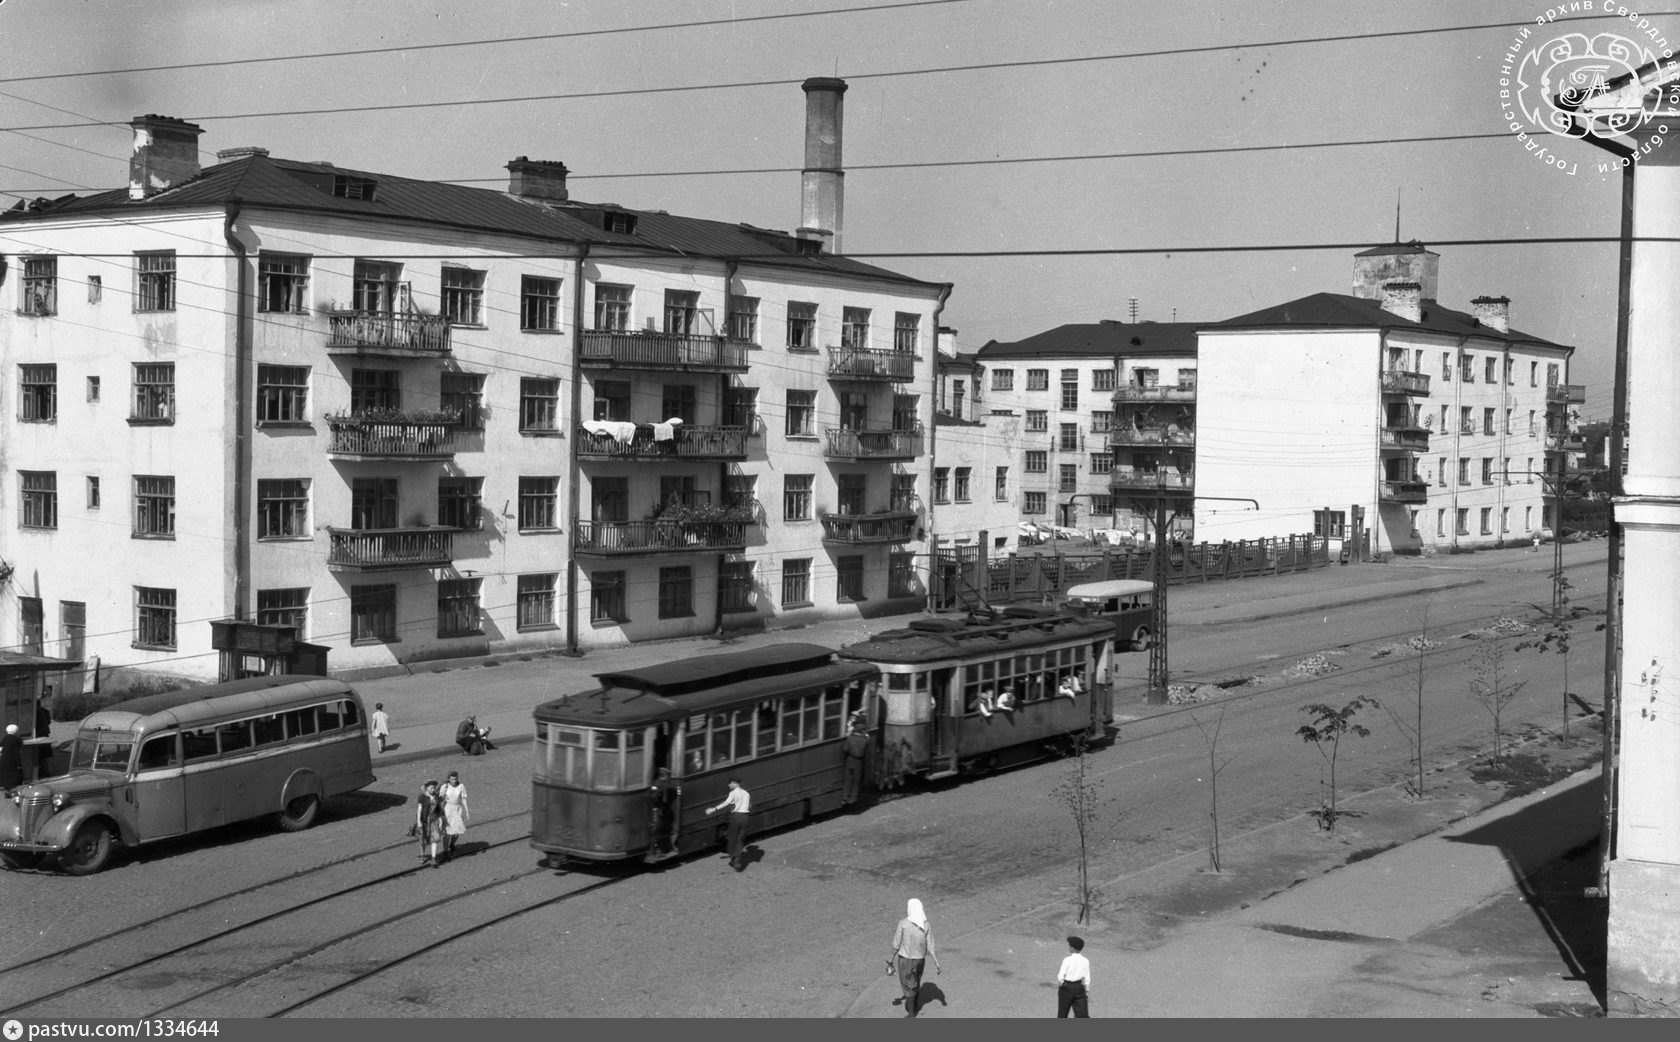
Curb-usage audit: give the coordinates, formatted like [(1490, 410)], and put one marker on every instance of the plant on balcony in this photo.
[(388, 415), (675, 511)]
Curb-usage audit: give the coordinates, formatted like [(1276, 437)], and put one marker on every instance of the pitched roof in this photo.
[(1104, 339), (1343, 311)]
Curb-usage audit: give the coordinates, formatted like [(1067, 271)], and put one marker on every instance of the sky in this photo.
[(1009, 147)]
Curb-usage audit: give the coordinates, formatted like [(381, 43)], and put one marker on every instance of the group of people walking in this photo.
[(912, 947), (440, 819)]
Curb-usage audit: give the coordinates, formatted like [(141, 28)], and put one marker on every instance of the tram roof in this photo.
[(1020, 629), (619, 706)]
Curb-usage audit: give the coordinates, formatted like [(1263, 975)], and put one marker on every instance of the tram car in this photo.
[(940, 697)]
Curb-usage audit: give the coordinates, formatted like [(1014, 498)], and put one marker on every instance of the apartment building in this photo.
[(409, 420), (975, 471), (1381, 411)]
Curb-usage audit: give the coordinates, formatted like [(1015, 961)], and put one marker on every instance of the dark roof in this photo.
[(1104, 339), (1342, 311)]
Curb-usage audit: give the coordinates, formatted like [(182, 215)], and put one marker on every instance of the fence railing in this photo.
[(895, 527), (687, 441), (658, 537), (396, 440), (1396, 382), (375, 549), (649, 349), (861, 363), (374, 331), (902, 444)]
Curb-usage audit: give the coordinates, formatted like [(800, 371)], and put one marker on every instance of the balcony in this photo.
[(857, 363), (1133, 481), (1405, 439), (415, 437), (1404, 492), (390, 549), (859, 446), (1395, 382), (648, 349), (391, 335), (1173, 393), (1566, 394), (858, 529), (1127, 437), (688, 442), (641, 538)]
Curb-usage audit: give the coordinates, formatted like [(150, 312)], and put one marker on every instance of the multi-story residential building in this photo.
[(1380, 411), (1063, 386), (415, 420), (975, 462)]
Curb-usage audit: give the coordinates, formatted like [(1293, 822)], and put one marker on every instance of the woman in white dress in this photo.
[(455, 813)]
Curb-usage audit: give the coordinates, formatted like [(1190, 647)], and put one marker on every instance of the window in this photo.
[(1102, 462), (457, 607), (1464, 472), (40, 498), (1446, 366), (1528, 519), (283, 508), (1038, 379), (961, 491), (1102, 379), (1467, 368), (1463, 521), (39, 286), (154, 618), (1508, 420), (1067, 477), (373, 614), (901, 575), (1510, 371), (612, 400), (848, 574), (539, 405), (284, 607), (609, 500), (1000, 485), (906, 332), (801, 326), (1531, 423), (1441, 522), (1487, 520), (1330, 524), (1038, 420), (677, 400), (735, 586), (93, 388), (536, 601), (1147, 378), (740, 407), (1034, 503), (1070, 390), (606, 597), (1534, 374), (538, 504), (459, 503), (612, 307), (1487, 421), (372, 389), (282, 394), (682, 309), (375, 287), (154, 392), (1490, 374), (1068, 441), (1102, 506), (854, 329), (96, 289), (1487, 470), (92, 492), (1530, 471), (741, 492), (1441, 472), (676, 592), (282, 279), (796, 497), (1038, 462), (796, 582), (942, 484), (851, 494), (1504, 520), (903, 492), (1003, 379), (38, 393), (539, 304), (1466, 423), (801, 413), (463, 394), (1505, 475), (154, 507), (1102, 422), (463, 296), (743, 319), (154, 281)]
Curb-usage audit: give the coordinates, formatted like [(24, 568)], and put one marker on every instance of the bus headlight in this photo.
[(59, 800)]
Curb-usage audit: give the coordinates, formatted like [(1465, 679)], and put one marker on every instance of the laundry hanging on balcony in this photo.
[(667, 431), (621, 431)]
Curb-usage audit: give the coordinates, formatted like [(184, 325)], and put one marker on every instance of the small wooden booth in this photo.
[(259, 649), (27, 684)]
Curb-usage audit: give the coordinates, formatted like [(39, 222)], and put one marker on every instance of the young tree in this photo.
[(1555, 637), (1325, 734), (1078, 794), (1211, 737), (1414, 730), (1493, 688)]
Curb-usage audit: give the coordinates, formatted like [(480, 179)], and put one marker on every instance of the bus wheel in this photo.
[(1140, 639), (19, 860), (89, 850), (300, 813)]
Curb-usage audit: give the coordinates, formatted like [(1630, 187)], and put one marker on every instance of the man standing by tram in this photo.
[(857, 753), (738, 803)]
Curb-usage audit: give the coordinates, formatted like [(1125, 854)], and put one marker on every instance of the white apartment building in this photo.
[(1380, 411), (976, 460)]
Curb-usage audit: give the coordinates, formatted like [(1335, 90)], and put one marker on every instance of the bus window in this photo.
[(112, 754), (635, 759), (234, 736), (300, 723), (158, 752), (335, 715), (722, 753), (199, 744), (766, 728), (608, 765), (267, 730)]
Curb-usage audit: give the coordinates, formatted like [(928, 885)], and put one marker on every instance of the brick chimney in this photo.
[(1493, 312), (538, 179), (1404, 299), (823, 181), (1398, 262), (165, 154)]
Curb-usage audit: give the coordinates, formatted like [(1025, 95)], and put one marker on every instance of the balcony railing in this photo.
[(1404, 492), (1163, 393), (858, 363), (1566, 394), (631, 538), (1408, 439), (390, 549), (375, 333), (1395, 382), (649, 349), (856, 529), (1133, 480), (400, 440), (1123, 437), (874, 445), (688, 441)]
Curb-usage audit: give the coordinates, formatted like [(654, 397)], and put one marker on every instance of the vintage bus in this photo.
[(1128, 603), (185, 761)]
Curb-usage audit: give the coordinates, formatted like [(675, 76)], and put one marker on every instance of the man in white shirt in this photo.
[(738, 803), (1073, 982)]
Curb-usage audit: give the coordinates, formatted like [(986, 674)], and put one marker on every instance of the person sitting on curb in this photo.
[(472, 740)]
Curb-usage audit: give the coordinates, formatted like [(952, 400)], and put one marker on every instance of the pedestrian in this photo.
[(1073, 982), (456, 813), (428, 822), (857, 752), (912, 946), (666, 793), (738, 803), (472, 740), (1536, 543), (381, 724), (11, 759)]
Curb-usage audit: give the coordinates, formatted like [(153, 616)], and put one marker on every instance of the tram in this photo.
[(940, 697)]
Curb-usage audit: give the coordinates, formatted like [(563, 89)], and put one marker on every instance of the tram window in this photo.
[(743, 734), (635, 759), (158, 752), (267, 730), (568, 756), (722, 751), (198, 745), (234, 736), (608, 765), (299, 723), (694, 753), (790, 722), (898, 681), (766, 728), (813, 717), (833, 703)]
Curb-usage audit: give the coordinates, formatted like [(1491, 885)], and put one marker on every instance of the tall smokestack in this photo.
[(822, 182)]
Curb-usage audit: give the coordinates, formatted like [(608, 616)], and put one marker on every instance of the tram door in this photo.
[(665, 808), (942, 725)]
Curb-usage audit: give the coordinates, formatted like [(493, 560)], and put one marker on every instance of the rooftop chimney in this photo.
[(823, 182), (1404, 299), (1399, 262), (538, 179), (165, 154), (1494, 312)]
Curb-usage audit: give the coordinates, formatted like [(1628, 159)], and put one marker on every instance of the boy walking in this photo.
[(1073, 982), (381, 724)]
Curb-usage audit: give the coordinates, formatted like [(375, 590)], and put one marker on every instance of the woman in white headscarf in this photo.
[(912, 946)]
